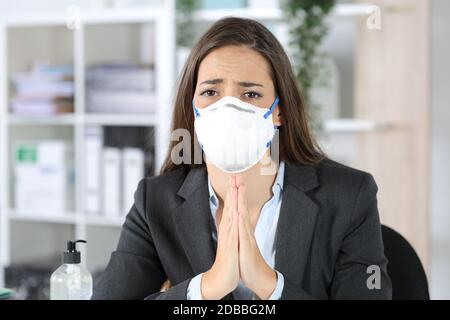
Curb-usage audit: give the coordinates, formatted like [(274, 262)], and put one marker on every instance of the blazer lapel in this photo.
[(296, 222), (193, 221)]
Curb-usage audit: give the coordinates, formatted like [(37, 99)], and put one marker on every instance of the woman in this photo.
[(239, 224)]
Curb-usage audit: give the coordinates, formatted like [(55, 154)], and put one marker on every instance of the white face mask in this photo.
[(234, 134)]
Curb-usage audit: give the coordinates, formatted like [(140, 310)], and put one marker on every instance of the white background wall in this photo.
[(440, 154)]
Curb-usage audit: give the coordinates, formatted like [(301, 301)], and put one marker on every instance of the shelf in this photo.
[(121, 119), (104, 221), (99, 16), (62, 119), (152, 13), (66, 218), (90, 119), (276, 14), (353, 126), (121, 15), (267, 14)]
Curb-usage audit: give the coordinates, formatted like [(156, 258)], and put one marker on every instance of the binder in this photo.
[(93, 152), (133, 172), (111, 182), (40, 177)]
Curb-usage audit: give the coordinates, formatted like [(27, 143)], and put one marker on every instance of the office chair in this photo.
[(409, 281)]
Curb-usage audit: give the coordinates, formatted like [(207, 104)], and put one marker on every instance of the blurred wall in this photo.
[(392, 86), (440, 149)]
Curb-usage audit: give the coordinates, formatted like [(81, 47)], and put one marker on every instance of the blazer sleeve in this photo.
[(361, 247), (361, 260), (134, 270)]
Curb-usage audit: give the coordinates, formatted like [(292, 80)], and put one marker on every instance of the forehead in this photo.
[(235, 63)]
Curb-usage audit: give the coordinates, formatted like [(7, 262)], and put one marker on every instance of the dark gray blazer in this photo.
[(328, 234)]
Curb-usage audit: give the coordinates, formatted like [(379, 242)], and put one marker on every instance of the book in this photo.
[(120, 88), (46, 89), (45, 106), (123, 77), (100, 101)]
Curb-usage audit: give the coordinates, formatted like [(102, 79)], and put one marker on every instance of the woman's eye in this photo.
[(252, 95), (209, 93)]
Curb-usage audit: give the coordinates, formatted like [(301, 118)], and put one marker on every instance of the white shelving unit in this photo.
[(276, 14), (80, 224), (163, 20), (353, 126)]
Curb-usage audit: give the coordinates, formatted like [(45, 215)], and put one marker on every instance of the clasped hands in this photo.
[(238, 256)]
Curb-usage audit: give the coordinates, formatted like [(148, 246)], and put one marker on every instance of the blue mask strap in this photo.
[(274, 104), (196, 113)]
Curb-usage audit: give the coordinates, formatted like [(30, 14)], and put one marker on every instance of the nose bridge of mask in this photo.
[(232, 102)]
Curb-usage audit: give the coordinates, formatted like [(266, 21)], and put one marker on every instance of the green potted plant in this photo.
[(307, 28), (185, 28)]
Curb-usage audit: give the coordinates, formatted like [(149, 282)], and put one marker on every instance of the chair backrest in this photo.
[(409, 281)]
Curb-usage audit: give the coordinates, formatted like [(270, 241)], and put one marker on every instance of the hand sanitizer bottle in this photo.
[(71, 281)]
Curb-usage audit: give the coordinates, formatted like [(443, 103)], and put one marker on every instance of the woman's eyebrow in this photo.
[(247, 84), (212, 81)]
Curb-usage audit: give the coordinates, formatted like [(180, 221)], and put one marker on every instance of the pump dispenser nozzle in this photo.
[(72, 256)]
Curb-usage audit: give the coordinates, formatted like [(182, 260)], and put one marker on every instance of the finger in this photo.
[(243, 209), (242, 200), (235, 230), (226, 202), (234, 194), (243, 234), (234, 199), (225, 220), (243, 206), (233, 181), (239, 180), (227, 214), (233, 234)]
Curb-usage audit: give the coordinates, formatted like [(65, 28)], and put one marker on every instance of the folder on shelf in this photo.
[(93, 153), (111, 182), (120, 88), (133, 172), (40, 176)]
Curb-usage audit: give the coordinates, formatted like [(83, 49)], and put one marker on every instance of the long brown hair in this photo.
[(296, 143)]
